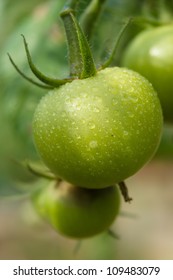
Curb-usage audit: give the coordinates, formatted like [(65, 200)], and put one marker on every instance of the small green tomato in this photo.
[(98, 131), (77, 212)]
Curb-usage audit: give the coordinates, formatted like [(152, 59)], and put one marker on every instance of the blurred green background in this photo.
[(145, 226)]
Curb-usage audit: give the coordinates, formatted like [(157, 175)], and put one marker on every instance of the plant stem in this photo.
[(124, 192), (70, 4), (90, 16), (80, 57)]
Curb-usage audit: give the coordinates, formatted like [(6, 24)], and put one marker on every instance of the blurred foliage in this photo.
[(165, 150), (19, 98)]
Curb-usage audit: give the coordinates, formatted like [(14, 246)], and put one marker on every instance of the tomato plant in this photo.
[(77, 212), (93, 129), (151, 54), (98, 131), (99, 125)]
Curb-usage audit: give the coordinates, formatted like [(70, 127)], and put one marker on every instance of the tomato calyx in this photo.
[(80, 56)]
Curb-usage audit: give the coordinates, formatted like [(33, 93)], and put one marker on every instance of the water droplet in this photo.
[(114, 102), (93, 144), (126, 133), (131, 115), (92, 126), (106, 109), (96, 110)]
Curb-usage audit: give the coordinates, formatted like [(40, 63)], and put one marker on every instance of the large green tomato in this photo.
[(77, 212), (151, 54), (100, 130)]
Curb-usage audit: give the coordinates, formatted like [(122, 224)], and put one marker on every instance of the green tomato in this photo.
[(77, 212), (100, 130), (151, 54)]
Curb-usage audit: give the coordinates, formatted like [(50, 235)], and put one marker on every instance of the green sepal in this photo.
[(26, 77), (118, 39), (113, 234), (47, 80), (38, 170), (80, 57)]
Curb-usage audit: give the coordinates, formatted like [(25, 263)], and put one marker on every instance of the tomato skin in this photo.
[(77, 212), (151, 54), (99, 131)]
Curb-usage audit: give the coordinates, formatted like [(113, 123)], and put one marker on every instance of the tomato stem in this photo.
[(80, 57), (124, 192), (71, 4), (90, 16)]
